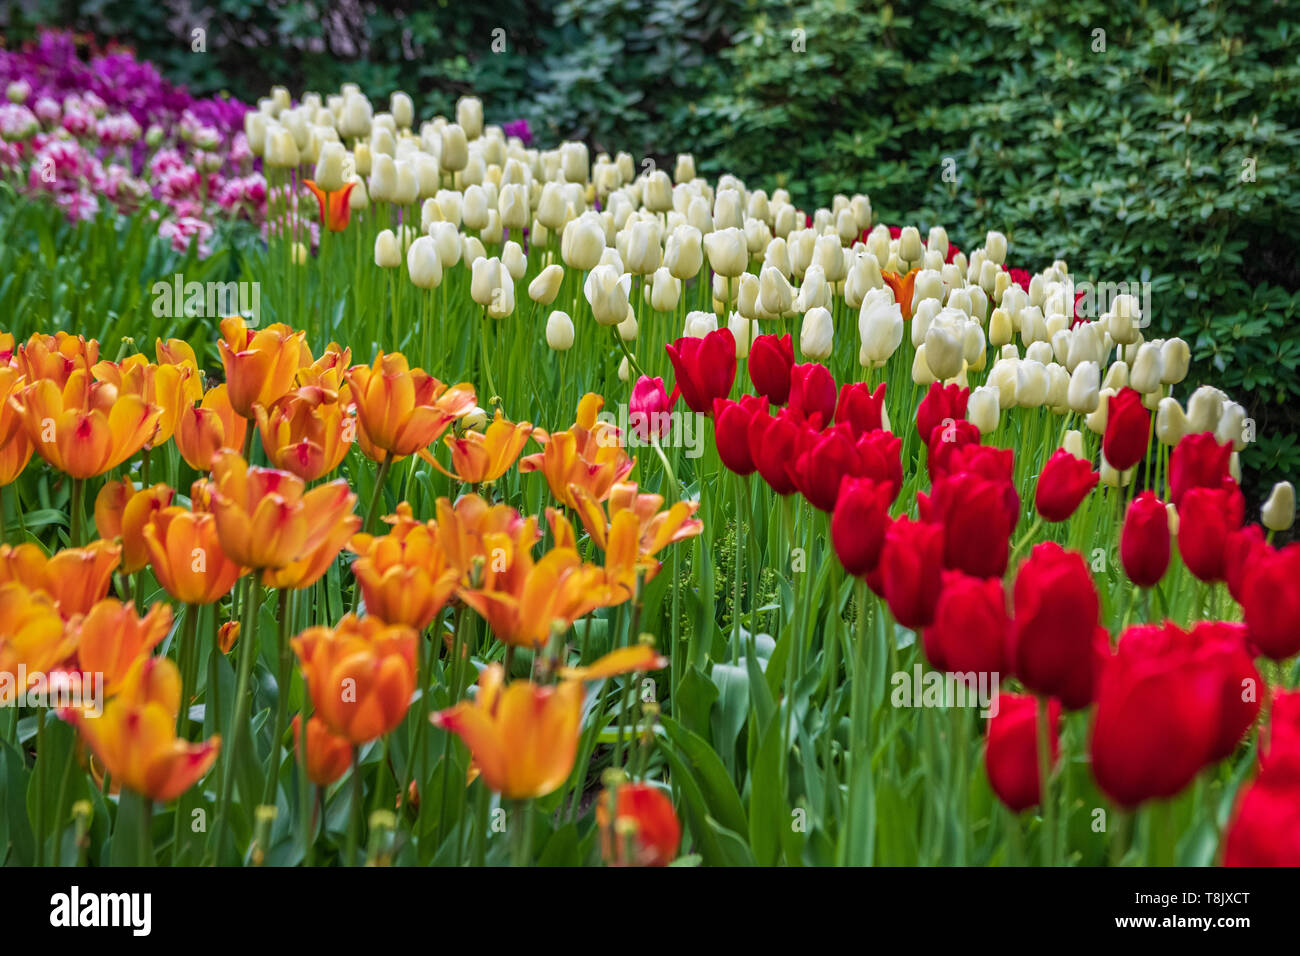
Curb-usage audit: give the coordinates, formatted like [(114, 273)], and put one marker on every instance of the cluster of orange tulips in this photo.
[(91, 610)]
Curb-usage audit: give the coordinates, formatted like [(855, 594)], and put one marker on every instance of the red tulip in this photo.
[(946, 442), (1205, 520), (1244, 549), (976, 530), (859, 523), (731, 421), (771, 358), (860, 407), (705, 368), (1168, 703), (1011, 757), (1063, 485), (880, 457), (812, 393), (829, 457), (913, 564), (969, 631), (1128, 430), (997, 464), (1144, 544), (941, 404), (774, 444), (649, 408), (1197, 461), (1281, 738), (1053, 648), (1271, 599), (1265, 831)]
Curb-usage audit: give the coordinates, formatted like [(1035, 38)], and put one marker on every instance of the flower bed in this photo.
[(573, 513)]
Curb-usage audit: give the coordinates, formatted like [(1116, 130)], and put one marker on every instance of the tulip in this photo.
[(731, 421), (75, 578), (1206, 518), (1127, 432), (977, 524), (1011, 757), (559, 331), (32, 634), (607, 291), (546, 286), (423, 263), (727, 251), (328, 756), (1169, 702), (15, 447), (1198, 461), (453, 156), (334, 198), (859, 523), (649, 408), (401, 410), (1064, 483), (265, 518), (1144, 545), (135, 736), (941, 406), (705, 368), (113, 636), (912, 559), (771, 358), (1264, 828), (637, 824), (1278, 512), (812, 393), (700, 324), (523, 737), (1053, 641), (201, 432), (405, 576), (1270, 598), (631, 528), (983, 408), (816, 334), (186, 556), (306, 432), (969, 632), (773, 446), (860, 408), (880, 327), (260, 364), (477, 457), (582, 242), (588, 455), (360, 674), (84, 428)]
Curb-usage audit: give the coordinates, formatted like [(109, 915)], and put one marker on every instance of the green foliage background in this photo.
[(1127, 153)]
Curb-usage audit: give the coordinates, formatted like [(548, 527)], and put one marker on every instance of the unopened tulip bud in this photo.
[(546, 286), (775, 294), (1000, 331), (657, 192), (700, 324), (995, 247), (403, 110), (469, 116), (559, 331), (1073, 443), (1175, 359), (684, 171), (1147, 368), (644, 254), (624, 370), (329, 167), (1096, 421), (1231, 426), (383, 178), (1112, 478), (880, 327), (727, 251), (988, 280), (1278, 513), (512, 204), (665, 291), (684, 252), (1204, 409), (408, 187), (356, 119), (627, 329), (582, 242), (1040, 352), (423, 263), (1004, 376), (454, 154), (816, 334), (743, 330), (1116, 377), (909, 244), (486, 278), (1031, 384), (607, 290), (281, 151), (388, 255), (575, 163), (943, 350), (982, 409), (513, 258), (921, 374)]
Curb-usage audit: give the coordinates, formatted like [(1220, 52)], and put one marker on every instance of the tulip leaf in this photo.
[(715, 783)]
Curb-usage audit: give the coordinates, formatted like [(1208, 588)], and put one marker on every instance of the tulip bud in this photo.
[(944, 349), (982, 409), (403, 110), (1058, 388), (1116, 377), (909, 244), (775, 294), (829, 254), (606, 289), (329, 167), (684, 171), (472, 250), (575, 163), (512, 204), (921, 374), (744, 331), (1096, 421), (1000, 331), (1230, 426), (1031, 384), (1040, 352), (513, 258), (486, 278), (684, 253), (816, 334), (995, 247), (423, 263), (582, 242), (700, 324), (1147, 369), (665, 291), (1112, 478), (880, 327), (1204, 409), (627, 329), (408, 187), (355, 120), (281, 151), (469, 116), (863, 276), (1073, 443), (454, 154), (1175, 358), (1278, 513), (559, 331), (644, 254), (546, 286), (383, 178), (388, 255), (727, 251)]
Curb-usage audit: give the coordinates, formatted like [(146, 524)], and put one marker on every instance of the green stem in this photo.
[(377, 496)]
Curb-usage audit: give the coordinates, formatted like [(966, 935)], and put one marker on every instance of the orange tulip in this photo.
[(186, 556), (112, 637), (334, 206), (328, 756), (135, 737), (176, 352), (75, 578), (524, 737), (201, 432), (311, 567), (638, 826), (477, 457), (260, 363), (264, 518), (307, 432), (32, 636), (15, 446), (624, 660), (123, 511), (631, 529), (227, 636), (588, 455), (404, 576), (902, 287), (360, 675), (86, 427), (329, 371), (465, 527), (55, 357), (522, 599), (401, 410), (172, 388)]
